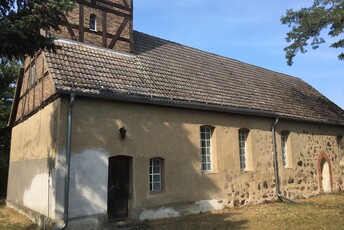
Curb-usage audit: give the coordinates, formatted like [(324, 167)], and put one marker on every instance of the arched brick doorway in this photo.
[(325, 173)]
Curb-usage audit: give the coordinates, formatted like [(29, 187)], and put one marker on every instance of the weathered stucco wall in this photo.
[(173, 134), (32, 160)]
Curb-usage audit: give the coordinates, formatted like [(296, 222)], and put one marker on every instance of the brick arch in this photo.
[(320, 159)]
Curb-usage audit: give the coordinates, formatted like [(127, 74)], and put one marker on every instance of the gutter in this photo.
[(68, 154), (279, 195)]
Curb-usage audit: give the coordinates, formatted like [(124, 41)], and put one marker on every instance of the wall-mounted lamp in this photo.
[(123, 132)]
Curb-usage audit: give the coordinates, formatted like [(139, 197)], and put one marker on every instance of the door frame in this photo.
[(130, 184), (321, 159)]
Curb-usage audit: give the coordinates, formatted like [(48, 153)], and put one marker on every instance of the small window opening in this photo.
[(155, 174), (206, 133), (32, 75), (243, 134), (284, 140), (93, 22)]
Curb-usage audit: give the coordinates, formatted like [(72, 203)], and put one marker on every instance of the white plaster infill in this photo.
[(194, 208), (88, 183)]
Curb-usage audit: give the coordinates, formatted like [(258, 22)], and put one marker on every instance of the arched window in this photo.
[(155, 174), (243, 134), (284, 141), (206, 151), (93, 22)]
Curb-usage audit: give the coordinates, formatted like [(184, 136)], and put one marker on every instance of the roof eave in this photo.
[(196, 105)]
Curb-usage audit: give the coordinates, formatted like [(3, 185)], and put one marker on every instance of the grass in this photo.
[(320, 212), (12, 220)]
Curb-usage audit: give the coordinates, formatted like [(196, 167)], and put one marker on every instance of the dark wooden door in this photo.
[(118, 188)]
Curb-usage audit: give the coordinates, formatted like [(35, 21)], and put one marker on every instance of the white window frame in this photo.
[(206, 152), (243, 134), (93, 17), (155, 167), (284, 145)]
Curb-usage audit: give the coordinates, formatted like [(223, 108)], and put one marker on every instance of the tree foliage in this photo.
[(307, 24), (22, 23), (8, 74)]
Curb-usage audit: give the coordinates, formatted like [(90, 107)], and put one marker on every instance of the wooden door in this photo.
[(118, 188)]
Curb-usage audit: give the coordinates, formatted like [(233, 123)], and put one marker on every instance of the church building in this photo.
[(118, 124)]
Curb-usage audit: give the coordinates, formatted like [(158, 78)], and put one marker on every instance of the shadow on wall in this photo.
[(151, 132), (168, 133), (32, 158)]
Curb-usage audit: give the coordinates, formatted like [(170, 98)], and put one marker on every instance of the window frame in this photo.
[(93, 22), (284, 148), (206, 150), (153, 174), (242, 141), (32, 72)]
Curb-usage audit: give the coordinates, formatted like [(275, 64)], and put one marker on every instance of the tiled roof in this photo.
[(164, 72)]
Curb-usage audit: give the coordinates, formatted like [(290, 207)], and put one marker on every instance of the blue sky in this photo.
[(246, 30)]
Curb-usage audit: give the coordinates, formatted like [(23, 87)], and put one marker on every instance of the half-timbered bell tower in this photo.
[(106, 23)]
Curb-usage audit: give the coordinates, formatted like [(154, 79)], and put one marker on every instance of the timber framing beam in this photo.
[(69, 28), (106, 9), (118, 33), (81, 23), (108, 35)]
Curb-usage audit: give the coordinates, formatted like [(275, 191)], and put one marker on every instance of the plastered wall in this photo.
[(173, 134), (33, 160)]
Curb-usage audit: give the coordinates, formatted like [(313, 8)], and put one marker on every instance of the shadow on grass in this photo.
[(202, 221)]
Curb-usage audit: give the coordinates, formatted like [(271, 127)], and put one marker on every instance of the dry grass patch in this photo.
[(320, 212), (12, 220)]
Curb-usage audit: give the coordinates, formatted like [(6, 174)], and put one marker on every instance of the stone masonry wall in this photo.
[(300, 179)]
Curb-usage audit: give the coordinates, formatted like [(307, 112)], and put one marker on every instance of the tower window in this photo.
[(93, 22)]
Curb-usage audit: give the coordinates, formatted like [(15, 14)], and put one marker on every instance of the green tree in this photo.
[(8, 74), (307, 24), (22, 23)]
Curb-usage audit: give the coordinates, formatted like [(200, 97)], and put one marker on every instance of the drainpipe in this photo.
[(68, 154), (280, 197)]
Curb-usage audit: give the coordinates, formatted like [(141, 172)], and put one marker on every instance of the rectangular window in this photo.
[(32, 74), (242, 148), (155, 174), (284, 139), (206, 148)]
